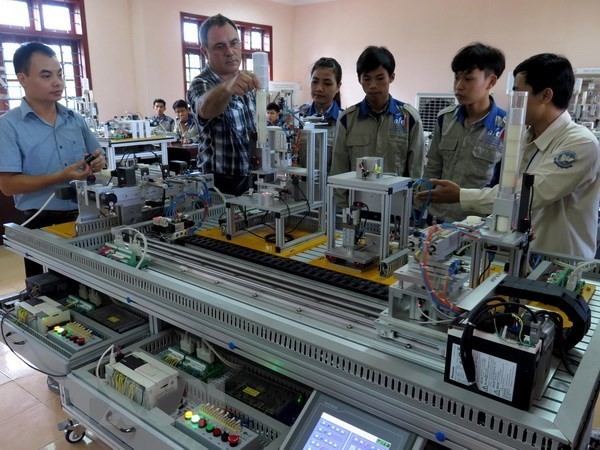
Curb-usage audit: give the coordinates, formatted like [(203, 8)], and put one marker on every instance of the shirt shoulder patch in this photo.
[(565, 159)]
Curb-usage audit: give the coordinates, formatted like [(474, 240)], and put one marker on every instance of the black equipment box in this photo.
[(507, 371)]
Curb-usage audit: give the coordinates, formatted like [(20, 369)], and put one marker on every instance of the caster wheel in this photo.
[(73, 436)]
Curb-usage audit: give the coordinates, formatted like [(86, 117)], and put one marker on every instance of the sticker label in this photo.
[(495, 376), (250, 391)]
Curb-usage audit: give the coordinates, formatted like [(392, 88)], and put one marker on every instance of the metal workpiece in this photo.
[(322, 344)]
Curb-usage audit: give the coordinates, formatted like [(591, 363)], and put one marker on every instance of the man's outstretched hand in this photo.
[(444, 191)]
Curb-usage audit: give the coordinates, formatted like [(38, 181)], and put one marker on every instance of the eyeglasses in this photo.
[(222, 47)]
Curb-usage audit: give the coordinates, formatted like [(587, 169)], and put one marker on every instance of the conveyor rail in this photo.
[(342, 305), (329, 277)]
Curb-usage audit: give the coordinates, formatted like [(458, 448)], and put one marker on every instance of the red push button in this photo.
[(234, 440), (217, 432)]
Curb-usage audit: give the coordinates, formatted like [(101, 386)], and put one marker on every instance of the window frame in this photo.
[(76, 38), (189, 47)]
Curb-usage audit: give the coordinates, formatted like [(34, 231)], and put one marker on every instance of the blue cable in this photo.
[(429, 187)]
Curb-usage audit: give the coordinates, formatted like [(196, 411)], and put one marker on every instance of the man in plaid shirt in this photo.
[(223, 99)]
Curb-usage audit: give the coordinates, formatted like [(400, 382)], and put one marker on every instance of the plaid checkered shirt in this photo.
[(224, 143)]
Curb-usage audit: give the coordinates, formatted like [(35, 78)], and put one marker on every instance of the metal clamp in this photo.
[(123, 430)]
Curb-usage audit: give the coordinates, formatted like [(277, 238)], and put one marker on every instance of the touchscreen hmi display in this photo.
[(331, 433)]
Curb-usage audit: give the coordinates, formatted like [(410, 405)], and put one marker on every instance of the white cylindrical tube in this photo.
[(261, 118), (510, 82), (502, 224), (260, 67), (513, 137), (578, 85)]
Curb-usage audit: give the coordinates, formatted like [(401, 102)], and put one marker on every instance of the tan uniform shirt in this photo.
[(565, 160), (396, 135), (465, 154)]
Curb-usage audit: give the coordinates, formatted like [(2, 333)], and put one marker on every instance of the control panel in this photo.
[(217, 429), (72, 336), (330, 424)]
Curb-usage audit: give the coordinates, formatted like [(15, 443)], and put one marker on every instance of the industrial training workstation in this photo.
[(233, 280)]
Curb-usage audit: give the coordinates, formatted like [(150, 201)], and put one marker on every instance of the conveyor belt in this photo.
[(299, 268)]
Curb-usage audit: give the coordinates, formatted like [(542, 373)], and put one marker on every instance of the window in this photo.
[(254, 38), (59, 24)]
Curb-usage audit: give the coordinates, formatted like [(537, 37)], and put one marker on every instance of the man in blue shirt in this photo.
[(43, 144), (223, 99)]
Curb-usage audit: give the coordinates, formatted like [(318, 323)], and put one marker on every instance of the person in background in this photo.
[(186, 130), (379, 125), (222, 97), (43, 145), (161, 122), (273, 114), (325, 84), (564, 158), (467, 141)]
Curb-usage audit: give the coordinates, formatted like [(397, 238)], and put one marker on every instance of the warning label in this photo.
[(494, 375)]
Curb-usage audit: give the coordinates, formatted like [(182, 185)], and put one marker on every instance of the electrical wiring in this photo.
[(477, 317), (223, 360), (468, 231), (490, 258), (430, 320), (171, 210), (5, 335), (109, 349), (24, 224), (440, 301), (305, 214), (417, 222), (144, 240)]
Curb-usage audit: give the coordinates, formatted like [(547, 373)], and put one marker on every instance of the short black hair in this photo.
[(273, 106), (159, 100), (218, 20), (330, 63), (548, 70), (181, 104), (479, 56), (372, 57), (22, 57)]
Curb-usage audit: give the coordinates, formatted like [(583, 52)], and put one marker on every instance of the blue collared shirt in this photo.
[(31, 146), (332, 112), (490, 121), (396, 135)]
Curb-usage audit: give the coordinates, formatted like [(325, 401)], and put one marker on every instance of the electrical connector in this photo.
[(112, 359), (94, 297), (118, 240), (135, 247), (204, 353), (188, 345), (573, 279), (82, 291)]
